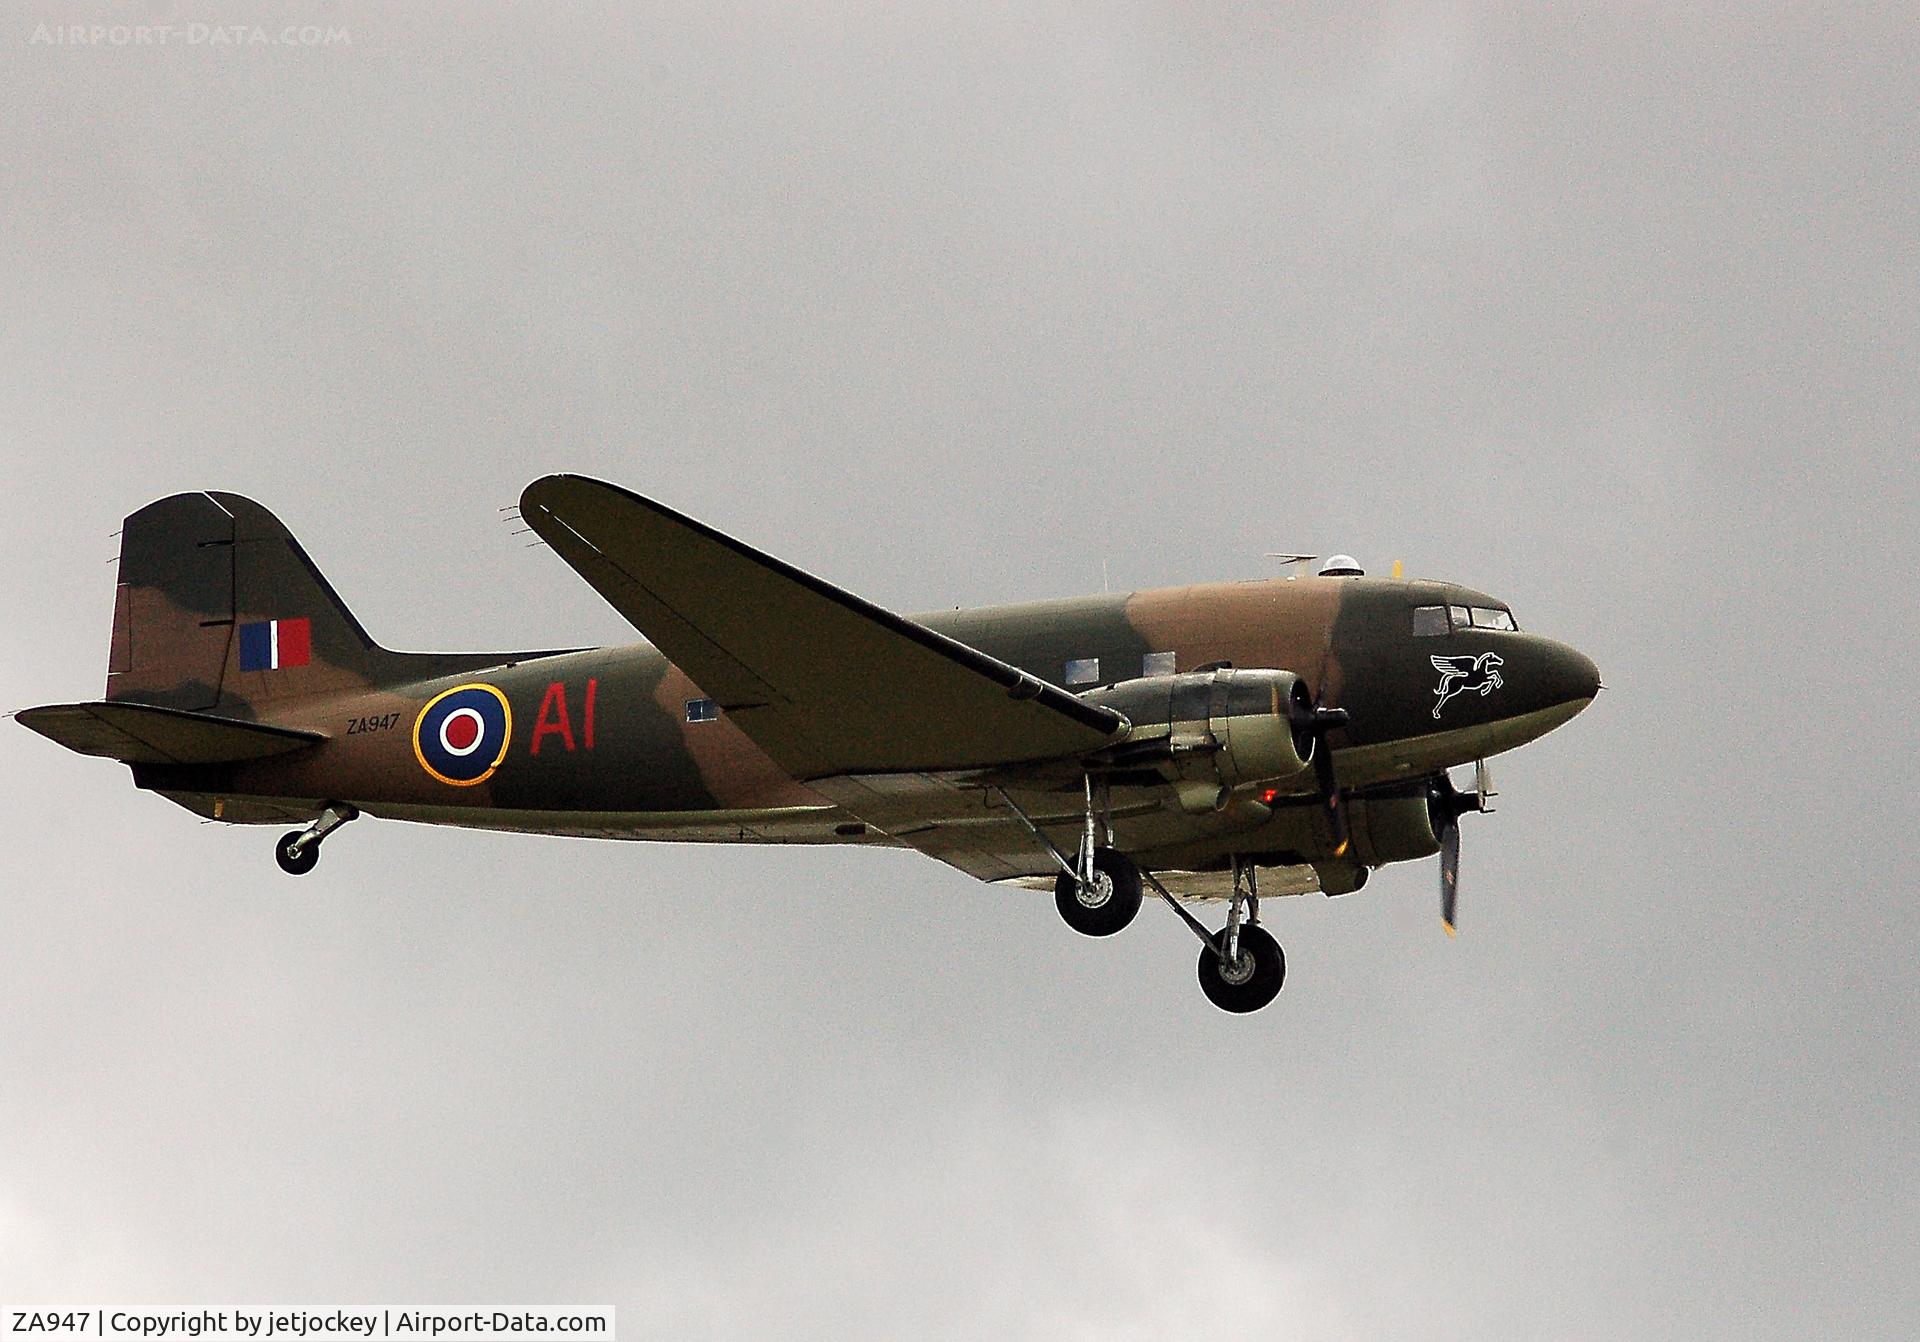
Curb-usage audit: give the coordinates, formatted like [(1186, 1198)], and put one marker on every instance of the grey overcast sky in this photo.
[(1609, 311)]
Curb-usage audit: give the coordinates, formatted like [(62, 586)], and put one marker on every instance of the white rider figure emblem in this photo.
[(1465, 673)]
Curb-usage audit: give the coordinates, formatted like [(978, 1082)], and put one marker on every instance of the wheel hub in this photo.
[(1094, 894), (1237, 972)]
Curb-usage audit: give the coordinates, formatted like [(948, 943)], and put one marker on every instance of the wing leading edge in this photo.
[(824, 682)]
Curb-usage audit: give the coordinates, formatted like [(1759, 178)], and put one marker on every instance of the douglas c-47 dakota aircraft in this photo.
[(1195, 741)]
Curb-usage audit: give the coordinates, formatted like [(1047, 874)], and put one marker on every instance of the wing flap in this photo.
[(954, 824), (1197, 886), (145, 734), (824, 682)]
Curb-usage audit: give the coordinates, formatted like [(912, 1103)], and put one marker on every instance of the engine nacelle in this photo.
[(1391, 829), (1214, 731)]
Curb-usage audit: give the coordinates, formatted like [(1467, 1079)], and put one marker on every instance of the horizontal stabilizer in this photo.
[(824, 682), (144, 734)]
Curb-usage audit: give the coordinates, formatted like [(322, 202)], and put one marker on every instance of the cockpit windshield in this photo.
[(1432, 621)]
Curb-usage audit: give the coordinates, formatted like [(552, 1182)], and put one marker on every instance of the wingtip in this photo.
[(557, 480), (530, 496)]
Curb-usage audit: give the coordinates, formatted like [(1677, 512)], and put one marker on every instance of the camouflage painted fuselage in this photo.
[(600, 741), (241, 687)]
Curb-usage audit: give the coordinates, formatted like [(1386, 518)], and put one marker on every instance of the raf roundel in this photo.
[(461, 735)]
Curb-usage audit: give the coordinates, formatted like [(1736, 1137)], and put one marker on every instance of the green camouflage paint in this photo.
[(601, 741)]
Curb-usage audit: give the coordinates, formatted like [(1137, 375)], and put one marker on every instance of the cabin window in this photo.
[(1429, 621), (702, 710), (1083, 671), (1157, 664)]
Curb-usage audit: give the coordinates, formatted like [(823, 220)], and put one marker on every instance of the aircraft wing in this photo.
[(824, 682), (958, 824), (968, 826)]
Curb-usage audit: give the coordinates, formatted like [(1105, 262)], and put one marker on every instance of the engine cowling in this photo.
[(1391, 829), (1214, 731)]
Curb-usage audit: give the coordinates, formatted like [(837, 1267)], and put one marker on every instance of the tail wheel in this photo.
[(1107, 904), (1252, 980), (296, 861)]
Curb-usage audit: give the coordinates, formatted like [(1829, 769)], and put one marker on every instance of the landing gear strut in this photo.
[(298, 851), (1243, 968), (1098, 892), (1098, 889)]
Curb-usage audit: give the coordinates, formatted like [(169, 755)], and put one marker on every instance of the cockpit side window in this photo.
[(1429, 621), (1482, 617)]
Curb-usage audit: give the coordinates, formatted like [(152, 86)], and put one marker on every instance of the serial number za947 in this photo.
[(34, 1321), (360, 726)]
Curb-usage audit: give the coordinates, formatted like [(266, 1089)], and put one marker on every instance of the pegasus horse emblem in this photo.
[(1458, 676)]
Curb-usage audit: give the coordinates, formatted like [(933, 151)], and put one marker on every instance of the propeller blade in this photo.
[(1482, 786), (1325, 719), (1449, 874)]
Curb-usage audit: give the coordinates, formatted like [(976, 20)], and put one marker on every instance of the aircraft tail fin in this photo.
[(218, 608)]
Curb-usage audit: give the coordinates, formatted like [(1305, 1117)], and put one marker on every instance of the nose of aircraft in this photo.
[(1565, 676)]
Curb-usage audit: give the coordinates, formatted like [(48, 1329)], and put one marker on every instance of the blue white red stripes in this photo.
[(270, 645)]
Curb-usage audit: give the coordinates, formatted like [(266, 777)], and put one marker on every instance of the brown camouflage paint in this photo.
[(733, 770), (194, 567)]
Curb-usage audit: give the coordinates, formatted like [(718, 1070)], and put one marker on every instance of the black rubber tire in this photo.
[(1112, 913), (295, 864), (1260, 988)]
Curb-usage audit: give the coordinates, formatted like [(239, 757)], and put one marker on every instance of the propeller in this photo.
[(1449, 873), (1445, 805), (1314, 723)]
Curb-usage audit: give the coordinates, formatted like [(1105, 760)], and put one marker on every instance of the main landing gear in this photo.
[(1243, 968), (1102, 901), (1098, 889), (1098, 892), (298, 851)]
